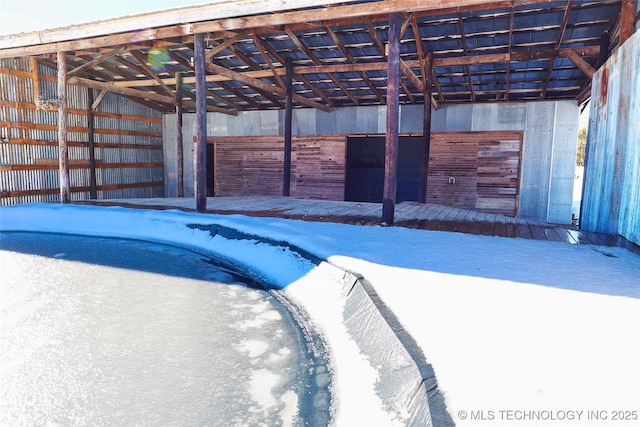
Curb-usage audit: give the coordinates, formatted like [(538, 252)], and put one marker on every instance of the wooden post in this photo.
[(426, 129), (93, 189), (201, 125), (288, 118), (393, 114), (627, 19), (63, 155), (179, 140)]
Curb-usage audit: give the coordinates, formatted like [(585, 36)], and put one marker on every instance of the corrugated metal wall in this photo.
[(548, 157), (611, 202), (128, 140)]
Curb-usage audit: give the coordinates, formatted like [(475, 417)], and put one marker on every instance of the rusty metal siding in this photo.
[(28, 138), (611, 200)]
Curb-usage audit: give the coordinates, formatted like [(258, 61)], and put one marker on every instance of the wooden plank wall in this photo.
[(128, 143), (253, 166), (476, 170)]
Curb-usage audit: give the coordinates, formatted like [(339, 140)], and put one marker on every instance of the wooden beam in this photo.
[(222, 46), (35, 78), (382, 66), (426, 131), (406, 70), (179, 137), (288, 124), (93, 192), (579, 62), (211, 18), (63, 152), (463, 40), (121, 90), (265, 54), (393, 114), (96, 61), (627, 20), (249, 81), (142, 60), (352, 60), (552, 60), (201, 124), (98, 100)]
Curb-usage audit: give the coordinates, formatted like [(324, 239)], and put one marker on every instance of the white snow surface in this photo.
[(519, 332)]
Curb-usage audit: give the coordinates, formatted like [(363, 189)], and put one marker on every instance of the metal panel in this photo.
[(563, 162), (304, 121), (411, 117), (611, 201), (536, 160)]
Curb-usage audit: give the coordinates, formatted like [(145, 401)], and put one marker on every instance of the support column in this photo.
[(93, 188), (627, 19), (180, 141), (288, 119), (393, 114), (201, 124), (426, 129), (63, 155)]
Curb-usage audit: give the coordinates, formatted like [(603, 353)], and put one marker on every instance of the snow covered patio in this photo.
[(519, 332), (426, 216)]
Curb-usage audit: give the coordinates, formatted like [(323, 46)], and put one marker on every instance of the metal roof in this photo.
[(485, 52)]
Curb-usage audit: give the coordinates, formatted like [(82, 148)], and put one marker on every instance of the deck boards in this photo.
[(408, 214)]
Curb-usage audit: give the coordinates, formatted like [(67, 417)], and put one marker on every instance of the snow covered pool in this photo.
[(108, 331)]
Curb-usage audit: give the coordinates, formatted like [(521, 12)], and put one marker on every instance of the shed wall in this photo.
[(548, 157), (128, 141), (611, 202)]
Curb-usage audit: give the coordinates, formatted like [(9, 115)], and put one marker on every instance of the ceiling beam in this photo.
[(110, 87), (343, 49), (586, 68), (96, 61), (381, 66), (142, 60), (259, 84), (225, 16)]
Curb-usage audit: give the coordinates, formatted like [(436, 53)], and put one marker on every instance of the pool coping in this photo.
[(409, 390)]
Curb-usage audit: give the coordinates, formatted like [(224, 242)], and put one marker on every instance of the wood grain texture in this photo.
[(253, 166)]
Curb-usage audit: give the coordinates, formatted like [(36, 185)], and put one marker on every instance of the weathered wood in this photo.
[(201, 125), (105, 131), (382, 66), (250, 81), (63, 153), (96, 61), (579, 62), (627, 19), (224, 16), (253, 165), (179, 136), (121, 90), (98, 100), (35, 77), (426, 129), (93, 191), (408, 72), (288, 123), (475, 170), (393, 114)]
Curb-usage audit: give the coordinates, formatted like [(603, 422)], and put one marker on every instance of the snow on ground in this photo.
[(519, 332)]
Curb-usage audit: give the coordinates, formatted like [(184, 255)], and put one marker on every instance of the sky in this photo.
[(18, 16), (519, 332)]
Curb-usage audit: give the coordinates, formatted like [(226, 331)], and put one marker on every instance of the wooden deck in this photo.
[(407, 214)]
